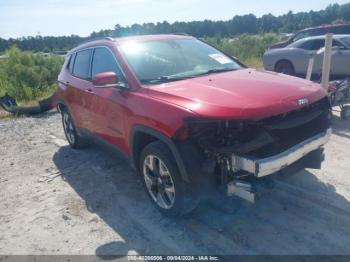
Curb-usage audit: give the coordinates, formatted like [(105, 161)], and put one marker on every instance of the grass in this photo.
[(249, 49), (254, 62)]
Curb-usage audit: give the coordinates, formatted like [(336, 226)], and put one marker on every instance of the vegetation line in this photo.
[(243, 24)]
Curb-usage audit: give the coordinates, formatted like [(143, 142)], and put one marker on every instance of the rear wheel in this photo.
[(285, 67), (74, 139), (167, 191)]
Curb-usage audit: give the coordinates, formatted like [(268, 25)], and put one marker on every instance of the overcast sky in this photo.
[(53, 17)]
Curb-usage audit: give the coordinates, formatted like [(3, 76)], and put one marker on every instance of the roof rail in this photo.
[(109, 38), (180, 34)]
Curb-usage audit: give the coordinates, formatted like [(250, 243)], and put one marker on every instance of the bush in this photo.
[(28, 76), (247, 48)]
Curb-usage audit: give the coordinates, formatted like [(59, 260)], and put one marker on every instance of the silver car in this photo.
[(294, 58)]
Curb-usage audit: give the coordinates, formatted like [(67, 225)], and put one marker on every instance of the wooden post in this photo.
[(310, 67), (327, 61)]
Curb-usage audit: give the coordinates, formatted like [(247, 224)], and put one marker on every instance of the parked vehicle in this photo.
[(294, 59), (337, 29), (191, 119), (339, 95)]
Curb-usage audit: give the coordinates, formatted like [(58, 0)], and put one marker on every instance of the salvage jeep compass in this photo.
[(191, 119)]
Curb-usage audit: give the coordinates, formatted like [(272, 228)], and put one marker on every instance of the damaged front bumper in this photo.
[(297, 156), (275, 163)]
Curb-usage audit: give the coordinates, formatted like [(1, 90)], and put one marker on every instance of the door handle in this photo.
[(90, 91)]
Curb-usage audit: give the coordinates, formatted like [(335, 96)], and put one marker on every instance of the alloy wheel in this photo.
[(68, 127), (159, 182)]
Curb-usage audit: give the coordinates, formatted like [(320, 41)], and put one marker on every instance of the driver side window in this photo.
[(313, 45), (104, 61)]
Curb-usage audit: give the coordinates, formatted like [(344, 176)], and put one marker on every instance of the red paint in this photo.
[(103, 79), (244, 94)]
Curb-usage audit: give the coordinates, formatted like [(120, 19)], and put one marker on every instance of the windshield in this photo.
[(346, 40), (170, 60)]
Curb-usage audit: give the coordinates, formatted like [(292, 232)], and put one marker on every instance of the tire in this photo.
[(285, 67), (345, 113), (163, 183), (74, 139)]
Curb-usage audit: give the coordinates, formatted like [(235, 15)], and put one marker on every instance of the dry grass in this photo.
[(254, 62)]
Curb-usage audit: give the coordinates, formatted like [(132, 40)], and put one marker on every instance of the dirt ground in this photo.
[(55, 200)]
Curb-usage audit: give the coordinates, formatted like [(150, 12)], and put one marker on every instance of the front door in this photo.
[(107, 111)]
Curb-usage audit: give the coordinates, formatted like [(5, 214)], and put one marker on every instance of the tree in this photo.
[(238, 25)]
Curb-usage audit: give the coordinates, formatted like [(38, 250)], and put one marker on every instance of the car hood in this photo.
[(242, 94), (279, 45)]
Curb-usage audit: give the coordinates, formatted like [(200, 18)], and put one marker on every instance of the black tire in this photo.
[(74, 139), (285, 67), (345, 113), (184, 200)]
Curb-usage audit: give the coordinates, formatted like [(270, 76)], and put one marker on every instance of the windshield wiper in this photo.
[(217, 70), (164, 79)]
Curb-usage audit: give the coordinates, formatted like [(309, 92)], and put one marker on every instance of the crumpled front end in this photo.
[(231, 151)]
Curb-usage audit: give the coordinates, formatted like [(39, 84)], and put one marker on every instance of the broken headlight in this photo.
[(211, 133)]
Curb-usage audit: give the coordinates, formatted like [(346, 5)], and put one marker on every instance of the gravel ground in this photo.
[(55, 200)]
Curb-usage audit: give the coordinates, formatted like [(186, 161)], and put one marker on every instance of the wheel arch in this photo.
[(284, 60), (60, 105), (143, 135)]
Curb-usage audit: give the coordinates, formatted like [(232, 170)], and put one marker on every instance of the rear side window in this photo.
[(318, 44), (71, 63), (104, 61), (82, 64)]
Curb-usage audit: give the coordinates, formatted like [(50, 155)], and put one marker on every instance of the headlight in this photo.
[(212, 133)]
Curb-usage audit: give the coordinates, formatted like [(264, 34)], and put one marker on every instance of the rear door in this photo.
[(81, 88), (107, 109), (340, 65)]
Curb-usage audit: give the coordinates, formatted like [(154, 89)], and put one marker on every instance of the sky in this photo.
[(81, 17)]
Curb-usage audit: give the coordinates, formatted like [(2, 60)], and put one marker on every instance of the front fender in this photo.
[(165, 139)]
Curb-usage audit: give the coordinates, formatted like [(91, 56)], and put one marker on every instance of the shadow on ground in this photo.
[(341, 127), (300, 215)]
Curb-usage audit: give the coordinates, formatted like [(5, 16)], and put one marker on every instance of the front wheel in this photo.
[(167, 191)]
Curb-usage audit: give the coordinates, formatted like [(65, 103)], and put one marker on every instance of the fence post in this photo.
[(310, 67), (327, 61)]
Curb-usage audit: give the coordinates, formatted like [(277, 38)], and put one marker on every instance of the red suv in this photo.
[(191, 119)]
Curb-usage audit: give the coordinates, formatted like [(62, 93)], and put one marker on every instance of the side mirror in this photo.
[(107, 79)]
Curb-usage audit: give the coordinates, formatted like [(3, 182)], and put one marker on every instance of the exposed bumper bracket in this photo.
[(241, 189), (270, 165)]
